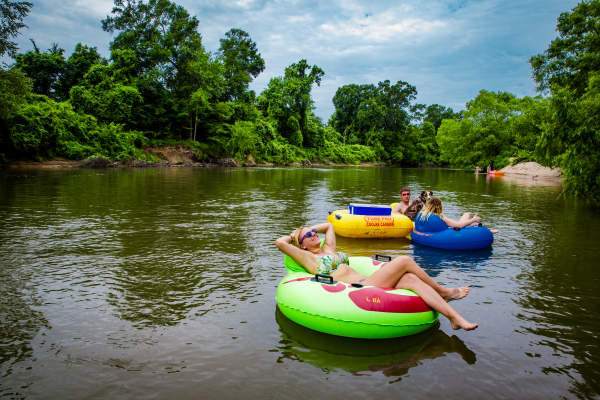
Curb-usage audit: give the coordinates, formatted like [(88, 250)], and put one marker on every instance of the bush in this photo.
[(47, 129), (347, 154)]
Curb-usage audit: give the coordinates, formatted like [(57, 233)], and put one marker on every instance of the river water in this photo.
[(160, 283)]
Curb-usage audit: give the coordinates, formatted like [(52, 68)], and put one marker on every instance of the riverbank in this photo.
[(181, 156), (168, 156)]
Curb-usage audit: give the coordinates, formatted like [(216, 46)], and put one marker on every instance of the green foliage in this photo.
[(244, 140), (281, 152), (104, 97), (494, 128), (163, 36), (346, 154), (436, 113), (76, 66), (15, 87), (570, 69), (571, 139), (44, 69), (241, 62), (573, 56), (12, 14), (380, 117), (47, 129), (160, 81), (287, 100)]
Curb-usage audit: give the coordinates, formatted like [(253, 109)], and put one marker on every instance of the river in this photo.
[(160, 283)]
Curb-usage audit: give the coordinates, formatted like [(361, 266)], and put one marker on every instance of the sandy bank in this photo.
[(533, 170)]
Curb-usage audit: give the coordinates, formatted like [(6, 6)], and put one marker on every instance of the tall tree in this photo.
[(76, 66), (570, 70), (287, 99), (45, 69), (162, 34), (347, 100), (484, 135), (12, 14), (573, 55), (377, 116), (165, 42), (15, 88), (436, 113), (242, 62)]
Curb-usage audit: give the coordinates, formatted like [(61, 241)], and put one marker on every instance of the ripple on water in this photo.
[(164, 281)]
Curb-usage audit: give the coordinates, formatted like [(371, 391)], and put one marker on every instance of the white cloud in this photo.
[(244, 3), (300, 19), (383, 28), (98, 8)]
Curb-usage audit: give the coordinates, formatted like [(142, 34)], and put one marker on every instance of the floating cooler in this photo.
[(370, 209)]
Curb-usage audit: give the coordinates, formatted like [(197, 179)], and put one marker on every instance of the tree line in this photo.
[(161, 86)]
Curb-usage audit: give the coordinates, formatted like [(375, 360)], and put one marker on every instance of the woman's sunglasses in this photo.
[(310, 233)]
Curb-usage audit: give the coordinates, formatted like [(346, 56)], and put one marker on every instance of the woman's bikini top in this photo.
[(329, 263)]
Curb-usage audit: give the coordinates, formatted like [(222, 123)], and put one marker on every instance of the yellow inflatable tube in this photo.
[(370, 226)]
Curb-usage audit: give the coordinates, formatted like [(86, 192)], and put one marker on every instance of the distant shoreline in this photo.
[(176, 156)]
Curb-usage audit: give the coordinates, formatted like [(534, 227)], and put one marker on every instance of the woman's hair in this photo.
[(297, 235), (433, 206)]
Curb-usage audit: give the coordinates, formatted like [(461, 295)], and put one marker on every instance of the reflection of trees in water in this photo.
[(20, 322), (191, 241), (559, 296), (393, 357), (435, 260)]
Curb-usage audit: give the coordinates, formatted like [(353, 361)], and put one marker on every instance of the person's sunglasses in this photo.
[(405, 194), (310, 233)]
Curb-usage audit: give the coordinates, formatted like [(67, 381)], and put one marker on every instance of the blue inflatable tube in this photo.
[(472, 238)]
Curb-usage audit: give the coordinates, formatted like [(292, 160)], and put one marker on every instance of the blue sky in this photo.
[(448, 49)]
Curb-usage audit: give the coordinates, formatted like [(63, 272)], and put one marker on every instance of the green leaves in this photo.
[(48, 129), (494, 128), (573, 56), (12, 14), (570, 70), (287, 100), (241, 61), (360, 109)]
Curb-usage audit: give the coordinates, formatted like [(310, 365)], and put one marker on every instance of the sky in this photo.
[(448, 49)]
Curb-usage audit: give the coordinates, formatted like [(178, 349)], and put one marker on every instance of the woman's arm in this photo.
[(302, 257), (327, 228), (461, 224)]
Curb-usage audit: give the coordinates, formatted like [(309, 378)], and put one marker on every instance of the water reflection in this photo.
[(20, 324), (559, 299), (391, 357), (435, 260), (126, 264)]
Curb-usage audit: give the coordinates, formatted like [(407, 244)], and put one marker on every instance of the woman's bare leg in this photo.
[(390, 274), (435, 301)]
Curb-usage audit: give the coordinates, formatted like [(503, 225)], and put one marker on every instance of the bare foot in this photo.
[(461, 323), (457, 293), (494, 231)]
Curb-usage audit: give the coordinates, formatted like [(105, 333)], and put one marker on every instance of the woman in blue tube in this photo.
[(432, 219)]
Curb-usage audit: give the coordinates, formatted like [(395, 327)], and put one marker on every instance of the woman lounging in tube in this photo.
[(304, 246)]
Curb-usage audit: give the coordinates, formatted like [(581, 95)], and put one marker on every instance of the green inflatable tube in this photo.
[(356, 311)]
